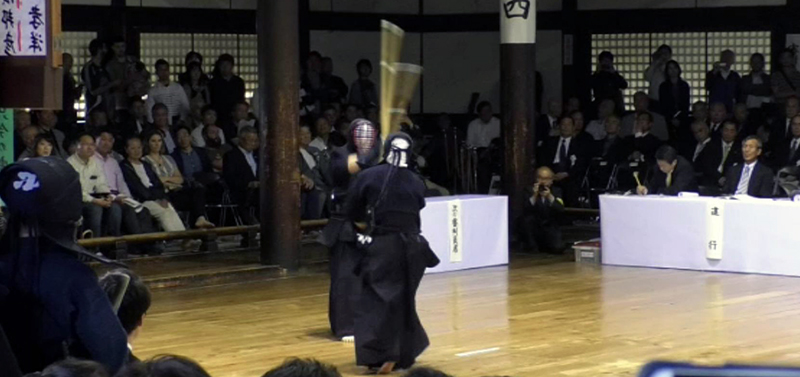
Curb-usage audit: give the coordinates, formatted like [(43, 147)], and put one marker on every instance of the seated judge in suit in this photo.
[(538, 227), (566, 156), (240, 171), (672, 175), (750, 177), (718, 157), (642, 145), (696, 152), (787, 153)]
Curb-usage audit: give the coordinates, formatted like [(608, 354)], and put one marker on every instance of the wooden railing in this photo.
[(209, 236)]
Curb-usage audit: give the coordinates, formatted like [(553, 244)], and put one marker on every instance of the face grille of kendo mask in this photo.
[(364, 138)]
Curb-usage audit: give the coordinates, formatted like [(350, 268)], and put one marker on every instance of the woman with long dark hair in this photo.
[(674, 93), (185, 196)]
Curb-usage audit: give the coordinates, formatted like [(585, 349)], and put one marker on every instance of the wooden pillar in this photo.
[(279, 83), (517, 85)]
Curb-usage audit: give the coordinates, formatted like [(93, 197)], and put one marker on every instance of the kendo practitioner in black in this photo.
[(394, 255), (361, 151), (53, 306)]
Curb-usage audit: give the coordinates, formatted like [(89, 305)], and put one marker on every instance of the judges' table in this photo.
[(468, 231), (698, 233)]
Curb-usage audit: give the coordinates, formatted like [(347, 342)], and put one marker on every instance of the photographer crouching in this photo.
[(538, 227)]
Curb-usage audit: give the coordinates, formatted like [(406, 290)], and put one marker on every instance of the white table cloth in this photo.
[(759, 235), (484, 229)]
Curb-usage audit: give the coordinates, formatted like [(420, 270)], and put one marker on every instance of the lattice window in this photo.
[(695, 51), (248, 63), (173, 48), (168, 46), (76, 43)]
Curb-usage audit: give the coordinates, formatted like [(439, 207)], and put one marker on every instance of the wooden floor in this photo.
[(534, 319)]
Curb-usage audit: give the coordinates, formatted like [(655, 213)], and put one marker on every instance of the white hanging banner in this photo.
[(715, 210), (456, 231), (517, 21), (24, 27)]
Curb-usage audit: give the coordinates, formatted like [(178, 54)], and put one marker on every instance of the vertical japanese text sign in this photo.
[(715, 210), (24, 27)]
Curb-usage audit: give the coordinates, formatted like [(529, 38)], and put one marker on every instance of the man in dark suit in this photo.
[(751, 177), (781, 129), (697, 152), (717, 116), (673, 174), (718, 157), (241, 171), (193, 162), (642, 145), (566, 156), (538, 227), (788, 151), (547, 124), (612, 148)]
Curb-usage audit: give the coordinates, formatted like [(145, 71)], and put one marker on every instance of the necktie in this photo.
[(726, 148), (744, 182), (562, 154), (669, 179), (794, 147)]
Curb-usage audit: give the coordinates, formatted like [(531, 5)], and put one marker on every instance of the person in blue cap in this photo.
[(53, 307)]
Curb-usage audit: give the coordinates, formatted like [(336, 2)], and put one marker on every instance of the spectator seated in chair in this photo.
[(241, 172), (750, 177), (186, 195)]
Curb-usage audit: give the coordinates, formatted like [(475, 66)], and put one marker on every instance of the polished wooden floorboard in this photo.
[(533, 319)]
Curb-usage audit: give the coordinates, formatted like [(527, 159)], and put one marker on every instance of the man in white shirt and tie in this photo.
[(751, 177), (484, 129)]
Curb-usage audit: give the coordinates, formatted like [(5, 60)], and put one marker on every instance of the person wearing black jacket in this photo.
[(539, 228), (674, 97), (672, 175), (147, 189), (53, 306), (750, 177), (642, 145), (568, 158), (240, 171), (718, 157), (787, 153)]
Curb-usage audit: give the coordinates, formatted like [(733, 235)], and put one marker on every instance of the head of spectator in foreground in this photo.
[(740, 113), (672, 70), (138, 109), (757, 63), (240, 111), (47, 119), (135, 300), (133, 149), (43, 146), (86, 147), (331, 114), (75, 368), (153, 143), (545, 176), (212, 136), (248, 138), (209, 116), (700, 131), (303, 368), (323, 127), (29, 135), (667, 159), (786, 59), (751, 149), (612, 125), (183, 136), (105, 142), (304, 137), (605, 61), (164, 366), (792, 106), (728, 57), (192, 57)]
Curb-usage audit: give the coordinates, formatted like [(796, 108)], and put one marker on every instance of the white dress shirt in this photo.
[(480, 134), (172, 95), (92, 177), (318, 143), (565, 143), (250, 160)]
